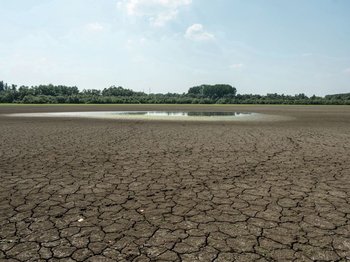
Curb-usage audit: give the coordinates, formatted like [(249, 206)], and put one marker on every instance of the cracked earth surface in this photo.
[(99, 190)]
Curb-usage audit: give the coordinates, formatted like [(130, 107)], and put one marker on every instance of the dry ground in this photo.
[(106, 190)]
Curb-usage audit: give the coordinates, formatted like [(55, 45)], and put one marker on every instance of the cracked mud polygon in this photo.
[(113, 190)]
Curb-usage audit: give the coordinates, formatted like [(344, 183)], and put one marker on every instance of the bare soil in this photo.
[(111, 190)]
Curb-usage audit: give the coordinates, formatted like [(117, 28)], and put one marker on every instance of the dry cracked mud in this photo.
[(106, 190)]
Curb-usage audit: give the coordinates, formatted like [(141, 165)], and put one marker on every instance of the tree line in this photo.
[(203, 94)]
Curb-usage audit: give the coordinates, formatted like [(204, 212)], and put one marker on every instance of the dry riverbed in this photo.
[(76, 189)]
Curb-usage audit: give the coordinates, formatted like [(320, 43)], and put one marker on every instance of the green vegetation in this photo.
[(203, 94), (213, 91), (339, 97)]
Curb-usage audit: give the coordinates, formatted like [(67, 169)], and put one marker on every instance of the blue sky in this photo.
[(259, 46)]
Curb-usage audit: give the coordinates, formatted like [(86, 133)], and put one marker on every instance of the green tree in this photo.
[(213, 91)]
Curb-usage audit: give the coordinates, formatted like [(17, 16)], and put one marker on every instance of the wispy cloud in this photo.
[(95, 27), (162, 18), (135, 43), (347, 71), (197, 32), (236, 66), (159, 12)]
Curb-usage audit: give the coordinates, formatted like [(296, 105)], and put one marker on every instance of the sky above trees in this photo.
[(259, 46)]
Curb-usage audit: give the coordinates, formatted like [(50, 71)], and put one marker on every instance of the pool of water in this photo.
[(181, 114), (151, 115)]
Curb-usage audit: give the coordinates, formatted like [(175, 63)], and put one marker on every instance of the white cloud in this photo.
[(197, 32), (162, 18), (347, 71), (159, 12), (95, 27), (236, 66)]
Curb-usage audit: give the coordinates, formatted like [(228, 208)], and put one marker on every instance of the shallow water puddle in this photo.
[(159, 115)]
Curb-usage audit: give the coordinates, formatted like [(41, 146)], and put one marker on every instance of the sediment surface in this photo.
[(111, 190)]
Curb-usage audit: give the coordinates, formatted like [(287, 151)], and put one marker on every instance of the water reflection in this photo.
[(156, 115), (181, 114)]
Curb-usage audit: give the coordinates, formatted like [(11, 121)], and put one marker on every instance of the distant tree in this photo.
[(213, 91), (203, 94), (301, 96), (196, 90), (118, 91), (345, 96), (91, 92), (51, 90)]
